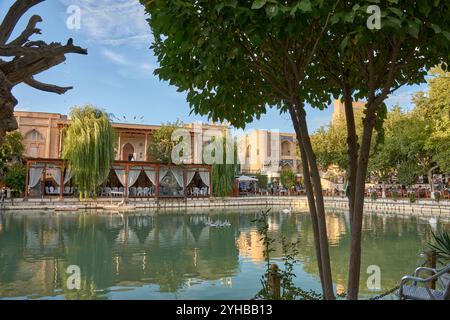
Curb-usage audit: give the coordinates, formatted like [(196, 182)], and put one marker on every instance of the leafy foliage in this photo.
[(15, 178), (263, 180), (89, 148), (224, 174), (162, 145), (288, 179), (12, 149), (441, 243)]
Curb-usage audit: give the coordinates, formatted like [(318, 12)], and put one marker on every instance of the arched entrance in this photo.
[(128, 152)]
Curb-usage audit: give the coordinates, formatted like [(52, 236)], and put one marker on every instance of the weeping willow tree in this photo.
[(89, 148), (223, 175)]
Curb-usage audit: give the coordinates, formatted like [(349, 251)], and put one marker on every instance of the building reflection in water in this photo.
[(175, 252)]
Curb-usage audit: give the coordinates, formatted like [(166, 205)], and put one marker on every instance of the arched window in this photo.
[(34, 135), (285, 148), (128, 153)]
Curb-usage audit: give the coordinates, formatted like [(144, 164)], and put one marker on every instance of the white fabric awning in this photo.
[(247, 179)]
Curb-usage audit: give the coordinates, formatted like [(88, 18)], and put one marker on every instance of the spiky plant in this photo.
[(441, 244), (89, 148)]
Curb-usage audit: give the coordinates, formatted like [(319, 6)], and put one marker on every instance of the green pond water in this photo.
[(177, 256)]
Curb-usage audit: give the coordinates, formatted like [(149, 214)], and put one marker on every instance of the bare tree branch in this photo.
[(46, 87), (28, 32), (17, 10)]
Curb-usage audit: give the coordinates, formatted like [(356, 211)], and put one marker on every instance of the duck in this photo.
[(433, 223), (287, 210)]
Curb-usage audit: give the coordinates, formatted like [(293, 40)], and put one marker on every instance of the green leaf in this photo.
[(436, 28), (446, 34), (272, 11), (258, 4), (344, 43), (305, 6), (397, 11), (413, 29)]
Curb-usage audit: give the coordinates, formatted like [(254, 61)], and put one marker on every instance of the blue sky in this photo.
[(117, 75)]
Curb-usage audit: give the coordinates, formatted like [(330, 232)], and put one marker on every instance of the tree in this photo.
[(263, 180), (11, 150), (162, 145), (25, 59), (235, 58), (434, 108), (372, 63), (288, 179), (15, 178), (224, 174), (330, 143), (285, 54), (89, 148)]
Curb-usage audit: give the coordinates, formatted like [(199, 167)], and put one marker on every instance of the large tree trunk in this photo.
[(352, 143), (300, 115), (356, 229), (7, 103), (310, 197)]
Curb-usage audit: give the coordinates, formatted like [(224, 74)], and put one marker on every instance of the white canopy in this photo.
[(246, 179)]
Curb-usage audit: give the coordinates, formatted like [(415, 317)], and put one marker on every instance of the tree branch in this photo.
[(28, 32), (46, 87), (17, 10)]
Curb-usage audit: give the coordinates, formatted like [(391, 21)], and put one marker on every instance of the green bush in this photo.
[(15, 179), (394, 195), (288, 179), (373, 196), (263, 180), (412, 197), (437, 196)]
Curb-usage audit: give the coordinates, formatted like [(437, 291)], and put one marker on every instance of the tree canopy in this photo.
[(89, 148), (162, 145)]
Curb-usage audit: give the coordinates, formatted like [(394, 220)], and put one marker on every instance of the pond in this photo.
[(178, 256)]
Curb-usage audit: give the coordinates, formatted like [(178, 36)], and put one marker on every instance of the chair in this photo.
[(140, 192), (146, 191), (414, 292)]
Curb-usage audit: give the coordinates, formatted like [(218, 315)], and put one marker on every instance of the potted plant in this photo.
[(412, 197), (437, 196)]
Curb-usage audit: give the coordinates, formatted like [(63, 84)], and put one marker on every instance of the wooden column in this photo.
[(44, 176), (61, 183), (157, 181), (146, 147), (119, 147), (127, 168), (27, 181), (210, 182)]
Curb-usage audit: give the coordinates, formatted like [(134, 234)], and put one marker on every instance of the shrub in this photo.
[(412, 197), (15, 179), (395, 195), (437, 196), (373, 196)]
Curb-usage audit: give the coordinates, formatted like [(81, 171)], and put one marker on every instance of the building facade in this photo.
[(260, 151)]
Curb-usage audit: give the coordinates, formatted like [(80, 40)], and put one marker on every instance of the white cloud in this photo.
[(113, 22), (115, 57)]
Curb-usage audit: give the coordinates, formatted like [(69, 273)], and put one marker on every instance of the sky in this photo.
[(117, 74)]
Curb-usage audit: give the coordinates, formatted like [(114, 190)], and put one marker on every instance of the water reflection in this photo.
[(178, 254)]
